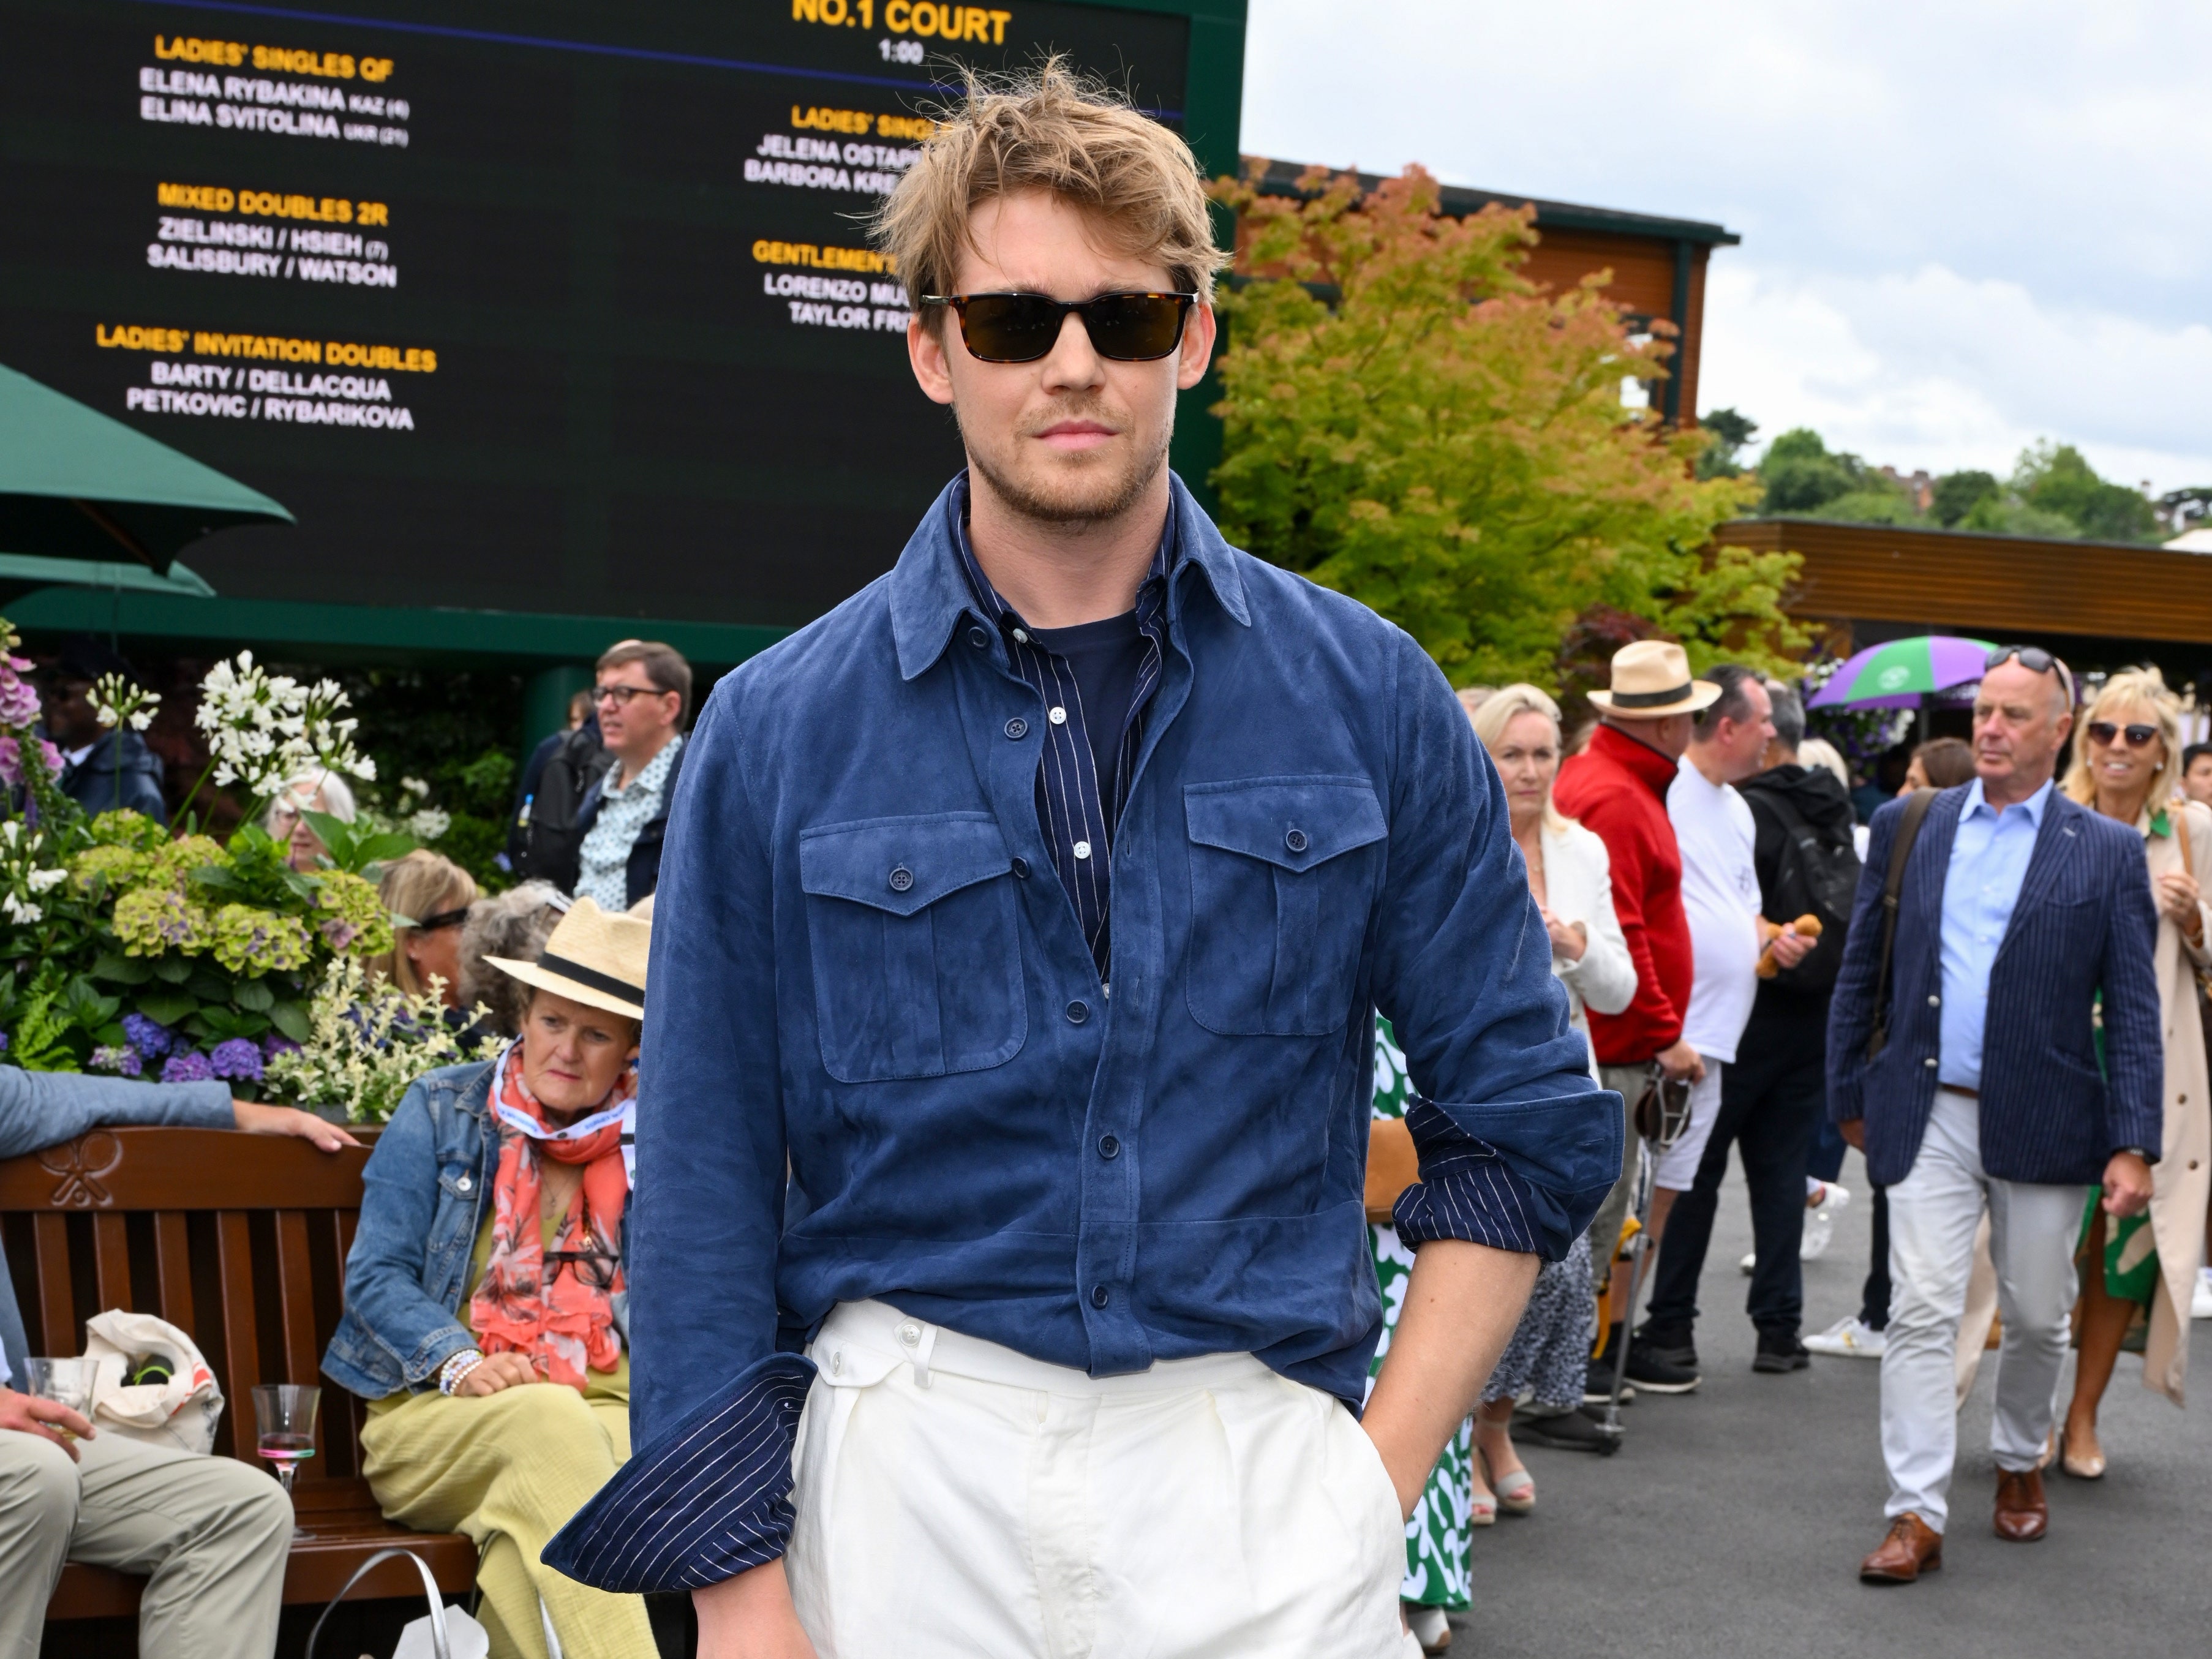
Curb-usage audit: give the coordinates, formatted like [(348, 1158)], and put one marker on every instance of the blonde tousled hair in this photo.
[(421, 884), (2131, 688), (1050, 129), (1500, 710)]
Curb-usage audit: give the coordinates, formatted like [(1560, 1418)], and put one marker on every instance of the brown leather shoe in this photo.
[(2023, 1516), (1910, 1549)]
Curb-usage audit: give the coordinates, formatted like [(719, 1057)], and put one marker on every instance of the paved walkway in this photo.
[(1733, 1520)]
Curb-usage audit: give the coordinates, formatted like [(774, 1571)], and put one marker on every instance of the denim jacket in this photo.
[(427, 1184)]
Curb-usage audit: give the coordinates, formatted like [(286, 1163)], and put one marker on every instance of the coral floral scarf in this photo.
[(564, 1321)]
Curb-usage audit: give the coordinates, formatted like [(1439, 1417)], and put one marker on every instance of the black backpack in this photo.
[(1817, 874), (550, 846)]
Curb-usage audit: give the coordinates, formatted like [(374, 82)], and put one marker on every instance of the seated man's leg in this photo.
[(515, 1464), (210, 1534), (38, 1511)]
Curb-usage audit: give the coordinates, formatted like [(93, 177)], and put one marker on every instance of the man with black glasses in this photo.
[(644, 689), (1010, 1058), (1963, 1058)]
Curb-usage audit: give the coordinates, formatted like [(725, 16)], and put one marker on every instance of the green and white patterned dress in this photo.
[(1437, 1537)]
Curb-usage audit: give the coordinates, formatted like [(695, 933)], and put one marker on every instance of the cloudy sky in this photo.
[(1966, 225)]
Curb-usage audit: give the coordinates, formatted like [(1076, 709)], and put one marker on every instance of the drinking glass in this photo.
[(64, 1382), (285, 1413)]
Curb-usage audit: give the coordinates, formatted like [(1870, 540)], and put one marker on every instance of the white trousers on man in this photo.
[(1932, 1215), (212, 1534), (958, 1500)]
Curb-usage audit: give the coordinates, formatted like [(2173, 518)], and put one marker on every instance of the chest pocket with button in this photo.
[(1282, 877), (917, 957)]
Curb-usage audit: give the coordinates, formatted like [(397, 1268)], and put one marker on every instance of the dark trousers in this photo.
[(1772, 1097), (1874, 1301)]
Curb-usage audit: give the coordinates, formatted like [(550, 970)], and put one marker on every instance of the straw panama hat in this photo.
[(592, 957), (1651, 680)]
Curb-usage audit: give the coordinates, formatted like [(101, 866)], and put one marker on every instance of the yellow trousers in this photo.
[(508, 1470)]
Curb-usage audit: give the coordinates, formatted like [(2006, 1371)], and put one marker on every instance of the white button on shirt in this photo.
[(1058, 716), (1081, 849)]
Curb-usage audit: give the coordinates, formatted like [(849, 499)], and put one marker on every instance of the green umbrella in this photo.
[(1898, 674), (77, 485)]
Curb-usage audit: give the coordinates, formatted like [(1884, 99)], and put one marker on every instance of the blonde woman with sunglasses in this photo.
[(2127, 764)]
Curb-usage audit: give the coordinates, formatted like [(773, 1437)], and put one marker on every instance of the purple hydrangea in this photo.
[(123, 1061), (187, 1067), (147, 1036), (275, 1043), (237, 1057)]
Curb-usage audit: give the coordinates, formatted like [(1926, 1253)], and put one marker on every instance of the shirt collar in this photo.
[(930, 590), (2033, 805)]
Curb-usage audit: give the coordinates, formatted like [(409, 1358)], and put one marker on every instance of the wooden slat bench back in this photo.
[(240, 1240)]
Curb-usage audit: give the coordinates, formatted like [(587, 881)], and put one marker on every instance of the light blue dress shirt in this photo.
[(1989, 856)]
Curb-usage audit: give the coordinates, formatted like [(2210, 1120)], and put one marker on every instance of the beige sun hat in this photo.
[(592, 957), (1650, 680)]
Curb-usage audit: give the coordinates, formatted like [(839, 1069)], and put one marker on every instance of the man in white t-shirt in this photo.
[(1720, 893)]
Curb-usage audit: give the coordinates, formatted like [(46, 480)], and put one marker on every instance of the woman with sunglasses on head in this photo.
[(2127, 764), (428, 898), (486, 1307)]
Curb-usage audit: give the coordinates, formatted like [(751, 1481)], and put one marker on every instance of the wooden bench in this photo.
[(240, 1240)]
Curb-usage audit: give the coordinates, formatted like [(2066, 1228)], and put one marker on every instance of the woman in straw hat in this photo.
[(484, 1320)]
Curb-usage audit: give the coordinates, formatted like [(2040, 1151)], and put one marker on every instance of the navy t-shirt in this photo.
[(1105, 658)]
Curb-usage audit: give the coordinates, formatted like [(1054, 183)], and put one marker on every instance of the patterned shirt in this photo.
[(1078, 824), (604, 878)]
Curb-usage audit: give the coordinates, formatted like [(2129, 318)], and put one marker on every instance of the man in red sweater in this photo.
[(1617, 788)]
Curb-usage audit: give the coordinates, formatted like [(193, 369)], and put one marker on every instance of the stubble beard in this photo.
[(1083, 495)]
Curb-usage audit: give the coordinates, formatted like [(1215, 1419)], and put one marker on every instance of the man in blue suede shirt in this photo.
[(1020, 931)]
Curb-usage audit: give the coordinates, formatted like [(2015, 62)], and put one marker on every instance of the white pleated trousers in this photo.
[(954, 1497)]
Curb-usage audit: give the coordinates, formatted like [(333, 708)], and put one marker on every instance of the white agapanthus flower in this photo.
[(414, 786), (41, 881), (20, 910), (429, 823), (265, 729), (117, 699)]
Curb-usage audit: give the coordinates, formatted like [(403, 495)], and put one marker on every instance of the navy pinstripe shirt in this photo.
[(1077, 818)]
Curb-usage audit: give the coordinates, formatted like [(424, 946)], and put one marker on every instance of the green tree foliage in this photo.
[(1726, 433), (1958, 493), (1804, 477), (2056, 478), (1440, 441)]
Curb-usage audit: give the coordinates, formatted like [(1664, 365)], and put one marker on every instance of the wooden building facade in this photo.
[(2099, 605)]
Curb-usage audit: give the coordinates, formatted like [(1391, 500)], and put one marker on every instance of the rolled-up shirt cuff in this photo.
[(1466, 1190), (704, 1502)]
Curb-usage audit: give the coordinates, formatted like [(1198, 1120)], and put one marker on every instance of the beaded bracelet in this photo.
[(456, 1367)]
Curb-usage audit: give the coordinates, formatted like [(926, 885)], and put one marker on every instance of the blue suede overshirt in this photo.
[(879, 1059)]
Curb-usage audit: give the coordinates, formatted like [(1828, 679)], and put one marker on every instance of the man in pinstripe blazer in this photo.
[(2020, 911)]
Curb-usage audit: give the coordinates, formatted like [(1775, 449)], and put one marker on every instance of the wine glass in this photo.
[(285, 1415), (64, 1382)]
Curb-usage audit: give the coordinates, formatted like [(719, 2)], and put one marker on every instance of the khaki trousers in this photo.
[(508, 1469), (209, 1534)]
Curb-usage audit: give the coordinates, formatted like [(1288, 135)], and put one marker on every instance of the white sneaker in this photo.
[(1750, 1263), (1428, 1626), (1848, 1339), (1820, 1223), (2200, 1301)]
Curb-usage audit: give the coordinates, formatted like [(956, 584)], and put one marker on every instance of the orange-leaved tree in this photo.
[(1412, 422)]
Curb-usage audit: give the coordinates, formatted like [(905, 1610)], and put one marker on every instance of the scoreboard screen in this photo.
[(551, 306)]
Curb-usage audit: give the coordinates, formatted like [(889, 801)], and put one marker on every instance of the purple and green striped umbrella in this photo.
[(1898, 674)]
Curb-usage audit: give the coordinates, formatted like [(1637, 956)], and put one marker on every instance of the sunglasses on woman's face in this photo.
[(2104, 733), (1021, 328)]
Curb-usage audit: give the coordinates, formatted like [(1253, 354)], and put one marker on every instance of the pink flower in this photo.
[(11, 760), (19, 703)]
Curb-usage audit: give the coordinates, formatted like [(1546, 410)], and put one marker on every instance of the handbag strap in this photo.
[(1893, 890), (438, 1641)]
